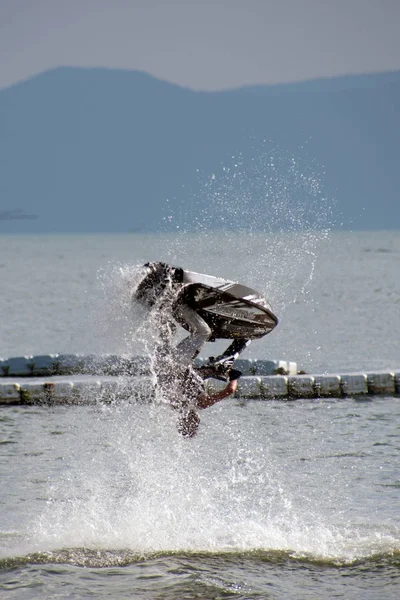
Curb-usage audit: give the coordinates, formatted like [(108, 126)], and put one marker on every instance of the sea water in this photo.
[(271, 499)]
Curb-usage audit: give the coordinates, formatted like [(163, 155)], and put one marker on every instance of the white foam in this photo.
[(133, 483)]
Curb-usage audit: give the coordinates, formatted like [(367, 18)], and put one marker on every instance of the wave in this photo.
[(102, 558)]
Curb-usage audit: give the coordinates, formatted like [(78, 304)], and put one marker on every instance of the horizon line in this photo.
[(358, 74)]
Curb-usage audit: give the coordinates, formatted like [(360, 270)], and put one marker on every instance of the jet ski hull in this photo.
[(230, 309)]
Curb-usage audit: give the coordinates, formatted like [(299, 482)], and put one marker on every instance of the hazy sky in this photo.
[(203, 44)]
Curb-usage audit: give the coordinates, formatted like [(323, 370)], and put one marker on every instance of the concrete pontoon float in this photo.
[(88, 379)]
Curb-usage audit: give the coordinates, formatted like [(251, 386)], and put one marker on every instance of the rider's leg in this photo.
[(200, 332)]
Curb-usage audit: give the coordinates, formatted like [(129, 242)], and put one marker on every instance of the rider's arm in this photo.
[(208, 400)]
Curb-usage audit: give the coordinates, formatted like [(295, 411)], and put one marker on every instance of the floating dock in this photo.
[(114, 364), (82, 380)]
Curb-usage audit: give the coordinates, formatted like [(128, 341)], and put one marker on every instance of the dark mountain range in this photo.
[(97, 150)]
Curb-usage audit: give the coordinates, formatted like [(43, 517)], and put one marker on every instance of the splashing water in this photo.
[(115, 320), (132, 483), (271, 207)]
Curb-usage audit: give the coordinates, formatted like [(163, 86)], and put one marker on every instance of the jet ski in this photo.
[(231, 310)]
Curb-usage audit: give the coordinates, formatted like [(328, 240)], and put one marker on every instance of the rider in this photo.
[(163, 291)]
